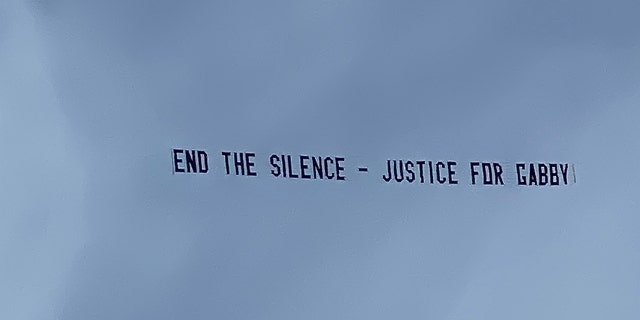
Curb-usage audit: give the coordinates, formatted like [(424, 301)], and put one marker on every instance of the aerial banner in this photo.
[(440, 172)]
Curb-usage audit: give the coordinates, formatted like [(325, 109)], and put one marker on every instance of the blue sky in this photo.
[(93, 225)]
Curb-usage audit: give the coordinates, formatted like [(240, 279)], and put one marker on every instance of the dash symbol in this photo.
[(363, 169)]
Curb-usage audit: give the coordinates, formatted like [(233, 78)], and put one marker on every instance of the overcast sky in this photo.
[(94, 225)]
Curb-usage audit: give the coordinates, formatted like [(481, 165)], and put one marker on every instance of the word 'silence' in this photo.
[(410, 171)]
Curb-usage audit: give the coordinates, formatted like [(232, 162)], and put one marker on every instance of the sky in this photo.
[(95, 95)]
